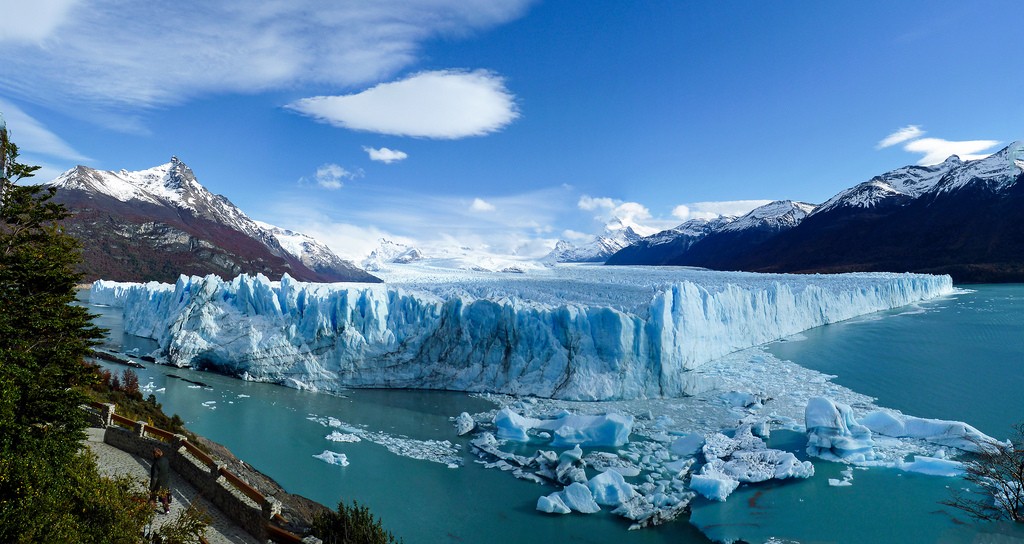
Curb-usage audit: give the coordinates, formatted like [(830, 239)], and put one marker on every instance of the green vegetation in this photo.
[(351, 525), (124, 391), (185, 528), (50, 490)]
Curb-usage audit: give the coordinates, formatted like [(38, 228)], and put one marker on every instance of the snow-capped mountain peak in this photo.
[(617, 235), (777, 215)]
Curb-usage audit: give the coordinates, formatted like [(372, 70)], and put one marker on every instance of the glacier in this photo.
[(565, 332)]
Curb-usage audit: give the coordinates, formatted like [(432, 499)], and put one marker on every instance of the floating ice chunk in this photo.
[(687, 445), (713, 485), (577, 496), (552, 504), (335, 436), (836, 482), (464, 424), (333, 458), (956, 434), (610, 489), (932, 465), (512, 426), (834, 435), (602, 430), (569, 429)]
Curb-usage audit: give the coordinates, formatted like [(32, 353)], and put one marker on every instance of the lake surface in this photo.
[(957, 358)]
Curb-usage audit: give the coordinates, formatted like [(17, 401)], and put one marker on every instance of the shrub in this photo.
[(350, 525)]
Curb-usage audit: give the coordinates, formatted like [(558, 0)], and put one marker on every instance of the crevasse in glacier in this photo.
[(581, 334)]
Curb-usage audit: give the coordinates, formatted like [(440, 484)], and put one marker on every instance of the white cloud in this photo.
[(331, 176), (576, 236), (908, 132), (936, 150), (517, 225), (130, 56), (615, 214), (480, 205), (32, 21), (385, 155), (711, 210), (32, 137), (442, 104)]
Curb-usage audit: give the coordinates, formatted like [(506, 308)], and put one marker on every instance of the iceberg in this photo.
[(333, 458), (833, 433), (744, 458), (574, 333), (955, 434), (568, 429)]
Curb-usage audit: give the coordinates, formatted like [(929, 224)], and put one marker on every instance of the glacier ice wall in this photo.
[(494, 337)]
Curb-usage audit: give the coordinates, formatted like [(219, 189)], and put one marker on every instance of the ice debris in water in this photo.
[(333, 458), (437, 451), (743, 458)]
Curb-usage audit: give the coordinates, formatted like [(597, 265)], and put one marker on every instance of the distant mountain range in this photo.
[(159, 223), (616, 237), (960, 218)]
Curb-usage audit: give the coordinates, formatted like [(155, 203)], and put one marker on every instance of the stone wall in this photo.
[(211, 480)]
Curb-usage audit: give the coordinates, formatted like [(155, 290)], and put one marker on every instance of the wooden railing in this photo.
[(242, 486), (275, 533)]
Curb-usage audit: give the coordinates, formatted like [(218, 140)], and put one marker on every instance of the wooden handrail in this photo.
[(122, 421), (199, 454), (245, 488), (165, 436), (282, 536)]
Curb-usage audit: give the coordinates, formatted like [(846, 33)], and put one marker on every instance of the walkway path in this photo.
[(114, 462)]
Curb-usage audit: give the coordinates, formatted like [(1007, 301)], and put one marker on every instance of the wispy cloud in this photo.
[(385, 155), (31, 22), (442, 104), (481, 205), (614, 214), (32, 137), (131, 56), (936, 150), (711, 210), (908, 132), (331, 176), (520, 224)]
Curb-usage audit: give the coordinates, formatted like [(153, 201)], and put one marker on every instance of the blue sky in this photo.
[(506, 125)]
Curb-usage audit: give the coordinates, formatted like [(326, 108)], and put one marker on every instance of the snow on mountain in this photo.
[(572, 332), (172, 184), (389, 252), (775, 216), (993, 173), (597, 250), (908, 182), (312, 252)]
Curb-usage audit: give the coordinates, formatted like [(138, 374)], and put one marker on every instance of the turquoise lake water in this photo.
[(957, 358)]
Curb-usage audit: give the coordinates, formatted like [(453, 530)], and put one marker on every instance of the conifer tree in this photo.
[(49, 487)]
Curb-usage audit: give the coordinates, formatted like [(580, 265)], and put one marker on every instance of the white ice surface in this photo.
[(571, 332)]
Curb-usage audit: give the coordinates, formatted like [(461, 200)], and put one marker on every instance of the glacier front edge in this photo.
[(571, 333)]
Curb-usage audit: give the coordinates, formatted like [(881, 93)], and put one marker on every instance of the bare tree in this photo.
[(996, 473)]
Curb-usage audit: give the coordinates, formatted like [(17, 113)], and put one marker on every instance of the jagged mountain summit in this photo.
[(158, 223), (389, 252), (959, 217), (709, 243), (616, 237)]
